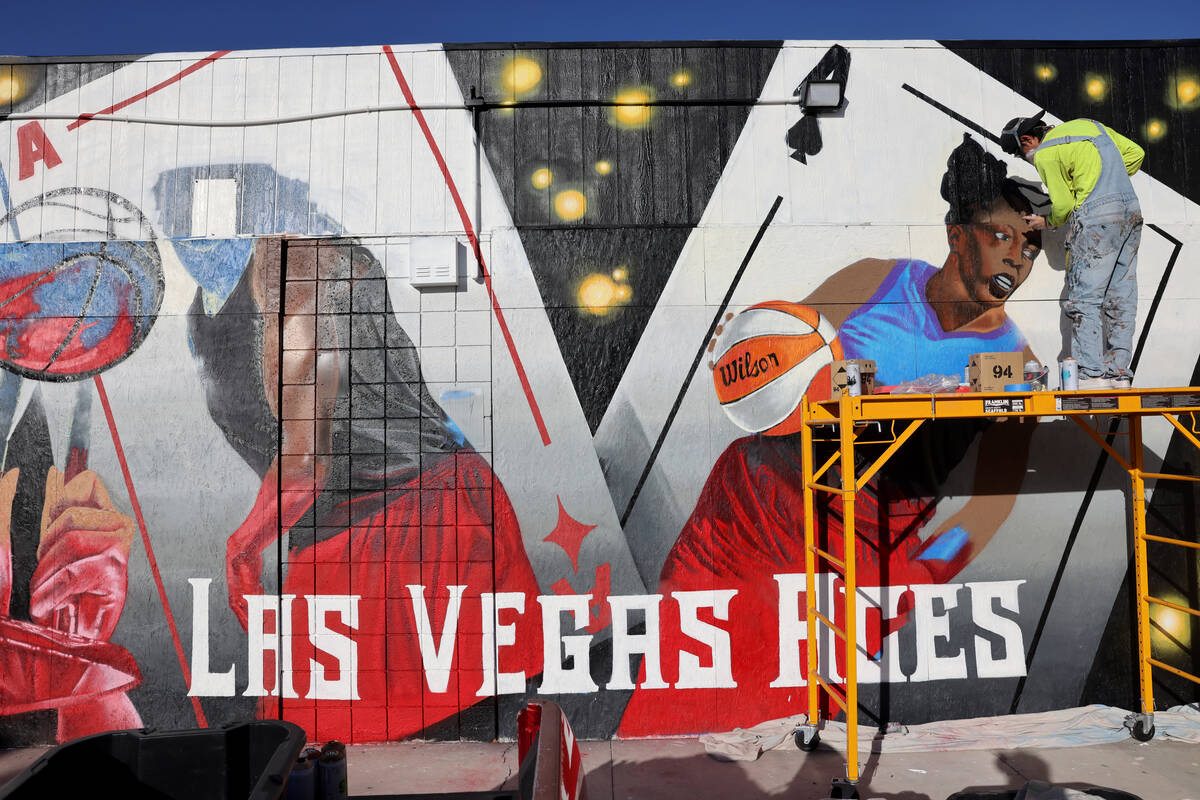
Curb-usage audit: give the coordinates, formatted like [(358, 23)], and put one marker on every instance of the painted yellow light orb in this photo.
[(603, 167), (1171, 628), (620, 274), (630, 111), (12, 89), (1187, 93), (623, 293), (597, 293), (1095, 87), (1045, 72), (1155, 130), (520, 75), (681, 79), (570, 205), (541, 178)]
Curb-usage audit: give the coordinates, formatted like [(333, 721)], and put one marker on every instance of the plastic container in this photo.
[(1018, 387), (244, 761)]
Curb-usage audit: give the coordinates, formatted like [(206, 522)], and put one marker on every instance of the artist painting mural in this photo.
[(385, 422)]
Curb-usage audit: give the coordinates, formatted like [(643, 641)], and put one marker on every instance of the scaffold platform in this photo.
[(847, 418)]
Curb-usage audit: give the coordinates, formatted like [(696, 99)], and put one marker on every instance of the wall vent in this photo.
[(435, 260)]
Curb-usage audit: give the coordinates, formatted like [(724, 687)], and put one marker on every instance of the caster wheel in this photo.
[(807, 745), (844, 789), (1140, 732)]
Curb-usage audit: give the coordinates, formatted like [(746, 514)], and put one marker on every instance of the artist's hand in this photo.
[(712, 343), (1036, 221), (243, 569), (8, 489), (83, 556)]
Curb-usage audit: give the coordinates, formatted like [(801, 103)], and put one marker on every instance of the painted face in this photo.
[(996, 254)]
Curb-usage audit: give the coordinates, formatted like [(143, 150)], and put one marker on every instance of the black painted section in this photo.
[(641, 212), (1138, 80)]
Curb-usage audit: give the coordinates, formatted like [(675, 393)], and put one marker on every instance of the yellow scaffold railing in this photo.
[(850, 418)]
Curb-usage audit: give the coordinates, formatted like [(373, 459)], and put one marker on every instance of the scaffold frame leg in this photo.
[(810, 575), (1141, 578), (849, 550)]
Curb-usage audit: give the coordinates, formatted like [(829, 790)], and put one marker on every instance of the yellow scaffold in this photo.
[(850, 417)]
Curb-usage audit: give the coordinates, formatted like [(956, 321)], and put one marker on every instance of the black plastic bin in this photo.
[(243, 761)]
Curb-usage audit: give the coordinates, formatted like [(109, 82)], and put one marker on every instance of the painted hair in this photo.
[(975, 180)]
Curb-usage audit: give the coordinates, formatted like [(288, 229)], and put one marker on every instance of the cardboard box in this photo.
[(991, 372), (866, 373)]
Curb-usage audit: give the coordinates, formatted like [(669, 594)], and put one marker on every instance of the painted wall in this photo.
[(252, 469)]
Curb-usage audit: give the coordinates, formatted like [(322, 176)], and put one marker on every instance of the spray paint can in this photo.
[(853, 380), (302, 782), (332, 783), (1069, 370)]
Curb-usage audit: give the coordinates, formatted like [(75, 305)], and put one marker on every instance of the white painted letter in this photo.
[(259, 642), (577, 679), (930, 628), (495, 636), (691, 674), (436, 658), (341, 647), (884, 665), (205, 683), (793, 629), (626, 644), (1012, 665)]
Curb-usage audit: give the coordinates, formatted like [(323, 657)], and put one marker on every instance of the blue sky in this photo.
[(76, 27)]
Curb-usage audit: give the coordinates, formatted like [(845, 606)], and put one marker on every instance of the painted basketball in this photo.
[(766, 358), (72, 310)]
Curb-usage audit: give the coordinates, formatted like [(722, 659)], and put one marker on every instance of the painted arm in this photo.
[(848, 288), (999, 472), (299, 471)]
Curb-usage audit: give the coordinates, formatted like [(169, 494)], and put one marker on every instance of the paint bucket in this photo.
[(332, 781), (1035, 374)]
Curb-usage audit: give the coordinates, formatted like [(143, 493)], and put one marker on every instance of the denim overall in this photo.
[(1102, 266)]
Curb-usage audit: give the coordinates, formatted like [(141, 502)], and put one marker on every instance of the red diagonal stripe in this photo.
[(178, 76), (470, 230), (141, 521)]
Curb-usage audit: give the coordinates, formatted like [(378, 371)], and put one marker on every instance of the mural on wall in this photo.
[(913, 319), (255, 468)]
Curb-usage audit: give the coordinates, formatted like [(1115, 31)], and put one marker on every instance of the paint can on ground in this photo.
[(332, 783), (1069, 374), (302, 781), (853, 380)]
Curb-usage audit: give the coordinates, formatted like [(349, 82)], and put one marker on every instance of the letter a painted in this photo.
[(33, 146)]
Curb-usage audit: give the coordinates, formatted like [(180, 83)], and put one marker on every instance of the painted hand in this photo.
[(82, 573), (712, 343), (1036, 221), (243, 572)]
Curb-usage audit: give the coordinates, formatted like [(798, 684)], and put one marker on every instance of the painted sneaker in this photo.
[(1092, 384), (1125, 382)]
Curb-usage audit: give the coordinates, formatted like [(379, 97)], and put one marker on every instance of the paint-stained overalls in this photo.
[(1102, 265)]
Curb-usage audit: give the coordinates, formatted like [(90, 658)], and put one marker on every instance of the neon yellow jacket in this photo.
[(1070, 171)]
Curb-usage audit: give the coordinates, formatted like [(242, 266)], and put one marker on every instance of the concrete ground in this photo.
[(670, 769)]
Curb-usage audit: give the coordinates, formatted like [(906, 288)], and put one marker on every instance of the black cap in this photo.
[(1010, 137)]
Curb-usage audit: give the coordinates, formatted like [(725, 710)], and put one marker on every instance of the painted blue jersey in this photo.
[(899, 330)]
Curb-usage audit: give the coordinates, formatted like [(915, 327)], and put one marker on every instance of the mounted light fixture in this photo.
[(822, 96)]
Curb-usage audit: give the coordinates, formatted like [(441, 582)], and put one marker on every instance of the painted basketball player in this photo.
[(912, 318)]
